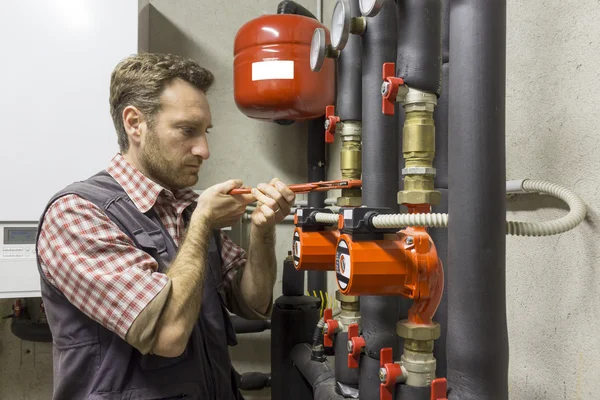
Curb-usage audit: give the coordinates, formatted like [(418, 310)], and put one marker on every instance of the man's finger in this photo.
[(286, 192), (228, 186), (273, 193), (266, 200), (245, 198)]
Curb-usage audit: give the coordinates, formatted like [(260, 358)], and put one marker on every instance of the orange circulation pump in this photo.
[(272, 79), (383, 262), (314, 244)]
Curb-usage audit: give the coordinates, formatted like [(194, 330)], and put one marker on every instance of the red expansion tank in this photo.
[(272, 79)]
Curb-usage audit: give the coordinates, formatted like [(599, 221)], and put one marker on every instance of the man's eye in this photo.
[(188, 130)]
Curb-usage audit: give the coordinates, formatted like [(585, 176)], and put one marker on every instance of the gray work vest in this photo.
[(91, 362)]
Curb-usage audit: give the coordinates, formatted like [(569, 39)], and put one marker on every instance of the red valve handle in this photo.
[(439, 389), (388, 100), (393, 372), (333, 120), (332, 325), (358, 343)]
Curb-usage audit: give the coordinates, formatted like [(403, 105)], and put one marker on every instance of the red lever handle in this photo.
[(332, 120), (332, 326), (392, 373), (357, 344), (439, 388), (388, 99)]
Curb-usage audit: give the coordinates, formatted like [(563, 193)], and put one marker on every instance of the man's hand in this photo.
[(219, 209), (275, 200)]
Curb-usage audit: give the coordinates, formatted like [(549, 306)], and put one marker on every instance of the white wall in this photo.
[(552, 91)]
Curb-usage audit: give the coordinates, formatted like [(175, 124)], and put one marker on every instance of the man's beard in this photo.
[(172, 175)]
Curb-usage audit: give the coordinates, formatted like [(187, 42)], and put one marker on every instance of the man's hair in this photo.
[(139, 81)]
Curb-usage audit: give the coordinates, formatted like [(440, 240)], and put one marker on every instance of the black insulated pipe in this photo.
[(445, 31), (380, 187), (254, 381), (318, 374), (292, 280), (242, 325), (291, 7), (349, 83), (477, 339), (419, 56), (343, 374), (316, 154), (405, 392), (292, 322)]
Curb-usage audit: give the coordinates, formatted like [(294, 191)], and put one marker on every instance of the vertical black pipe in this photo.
[(349, 84), (440, 235), (419, 57), (343, 374), (380, 185), (477, 340), (292, 322), (316, 155)]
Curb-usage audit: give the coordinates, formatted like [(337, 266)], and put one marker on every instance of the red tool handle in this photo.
[(312, 187)]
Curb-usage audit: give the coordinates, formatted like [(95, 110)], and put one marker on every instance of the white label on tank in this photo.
[(263, 70)]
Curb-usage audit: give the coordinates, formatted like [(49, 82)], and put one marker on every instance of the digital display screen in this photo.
[(20, 235)]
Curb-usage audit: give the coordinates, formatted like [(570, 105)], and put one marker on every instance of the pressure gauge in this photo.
[(340, 24), (370, 8), (317, 50)]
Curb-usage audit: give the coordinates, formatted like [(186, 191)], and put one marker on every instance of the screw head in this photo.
[(327, 124), (385, 88), (382, 375), (410, 240), (350, 346)]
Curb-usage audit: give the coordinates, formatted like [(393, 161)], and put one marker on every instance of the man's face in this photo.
[(175, 145)]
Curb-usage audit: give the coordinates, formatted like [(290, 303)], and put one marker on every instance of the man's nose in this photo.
[(201, 148)]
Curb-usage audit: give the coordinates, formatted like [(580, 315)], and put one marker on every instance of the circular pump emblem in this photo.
[(342, 265), (296, 248)]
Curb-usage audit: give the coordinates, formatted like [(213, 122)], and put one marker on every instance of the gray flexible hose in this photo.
[(577, 212)]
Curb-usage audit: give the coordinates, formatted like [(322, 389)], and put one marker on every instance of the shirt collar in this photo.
[(143, 191)]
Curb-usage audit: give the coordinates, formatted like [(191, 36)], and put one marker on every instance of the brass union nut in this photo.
[(419, 197), (346, 299), (349, 201), (407, 330)]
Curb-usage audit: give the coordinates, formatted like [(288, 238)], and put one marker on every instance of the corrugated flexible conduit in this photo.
[(577, 212)]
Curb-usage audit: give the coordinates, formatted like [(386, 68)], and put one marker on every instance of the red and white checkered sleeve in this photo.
[(95, 265), (233, 257)]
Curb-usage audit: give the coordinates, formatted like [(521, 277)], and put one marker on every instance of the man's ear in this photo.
[(134, 123)]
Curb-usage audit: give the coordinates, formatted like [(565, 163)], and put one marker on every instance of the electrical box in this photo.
[(56, 125)]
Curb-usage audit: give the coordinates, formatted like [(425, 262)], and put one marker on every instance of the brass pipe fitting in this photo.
[(418, 148), (350, 306), (418, 359), (351, 162)]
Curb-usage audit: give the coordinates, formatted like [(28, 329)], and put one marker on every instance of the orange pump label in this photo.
[(343, 265)]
